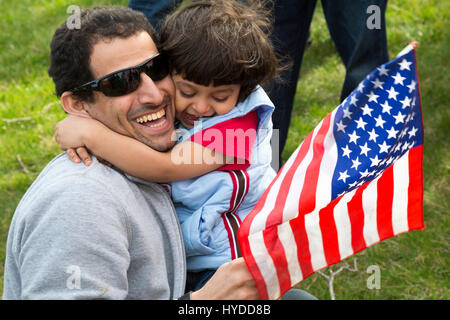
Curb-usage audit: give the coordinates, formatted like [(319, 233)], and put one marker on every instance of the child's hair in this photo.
[(221, 42)]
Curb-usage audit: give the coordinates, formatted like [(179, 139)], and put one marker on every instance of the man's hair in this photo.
[(71, 49), (221, 42)]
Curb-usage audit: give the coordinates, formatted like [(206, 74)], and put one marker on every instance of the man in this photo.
[(94, 232)]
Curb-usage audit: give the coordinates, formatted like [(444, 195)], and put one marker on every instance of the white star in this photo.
[(343, 175), (356, 163), (398, 146), (392, 93), (353, 137), (398, 79), (373, 135), (341, 126), (386, 107), (405, 65), (347, 152), (361, 124), (403, 132), (375, 161), (412, 86), (372, 96), (412, 132), (392, 133), (400, 117), (353, 100), (364, 174), (380, 122), (405, 146), (377, 84), (406, 102), (353, 184), (360, 87), (367, 110), (383, 70), (384, 147), (365, 149), (347, 113)]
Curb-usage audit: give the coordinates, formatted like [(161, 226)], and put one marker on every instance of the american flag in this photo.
[(353, 182)]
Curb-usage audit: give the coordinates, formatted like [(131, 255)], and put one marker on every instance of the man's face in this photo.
[(146, 114)]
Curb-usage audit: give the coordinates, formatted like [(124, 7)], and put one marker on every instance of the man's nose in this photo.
[(148, 92)]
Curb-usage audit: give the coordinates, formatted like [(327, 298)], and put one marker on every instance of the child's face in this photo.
[(193, 101)]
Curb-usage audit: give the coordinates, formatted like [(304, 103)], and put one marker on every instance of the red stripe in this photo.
[(415, 189), (235, 190), (276, 252), (385, 191), (329, 233), (307, 201), (301, 239), (225, 222), (275, 217), (356, 215), (230, 237), (252, 265)]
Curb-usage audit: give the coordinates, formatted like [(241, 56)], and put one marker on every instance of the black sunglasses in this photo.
[(124, 81)]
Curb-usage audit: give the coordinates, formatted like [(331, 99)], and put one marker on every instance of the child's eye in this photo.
[(220, 99), (186, 95)]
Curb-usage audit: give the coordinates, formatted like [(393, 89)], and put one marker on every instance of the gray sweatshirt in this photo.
[(93, 233)]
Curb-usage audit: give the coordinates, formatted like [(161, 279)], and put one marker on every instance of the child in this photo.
[(219, 54)]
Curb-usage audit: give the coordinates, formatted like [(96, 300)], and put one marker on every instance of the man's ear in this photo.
[(72, 105)]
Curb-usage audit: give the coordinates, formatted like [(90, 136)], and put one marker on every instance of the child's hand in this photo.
[(70, 131), (78, 154)]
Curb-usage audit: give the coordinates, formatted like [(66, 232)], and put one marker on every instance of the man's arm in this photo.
[(73, 244)]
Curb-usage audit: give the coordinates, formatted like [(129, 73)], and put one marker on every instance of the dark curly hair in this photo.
[(221, 42), (70, 49)]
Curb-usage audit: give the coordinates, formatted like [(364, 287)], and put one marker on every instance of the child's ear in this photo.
[(72, 105)]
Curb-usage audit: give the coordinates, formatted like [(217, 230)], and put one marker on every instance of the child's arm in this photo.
[(186, 160)]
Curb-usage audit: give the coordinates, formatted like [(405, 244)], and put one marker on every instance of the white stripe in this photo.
[(287, 239), (314, 233), (323, 198), (265, 264), (259, 222), (231, 236), (343, 225), (400, 201), (235, 191), (244, 189), (291, 208), (369, 203), (327, 167)]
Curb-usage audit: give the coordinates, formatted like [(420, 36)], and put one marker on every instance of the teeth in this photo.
[(152, 116)]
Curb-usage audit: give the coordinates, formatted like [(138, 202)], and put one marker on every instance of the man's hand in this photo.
[(232, 281)]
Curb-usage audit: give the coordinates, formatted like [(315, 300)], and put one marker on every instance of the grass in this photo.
[(414, 265)]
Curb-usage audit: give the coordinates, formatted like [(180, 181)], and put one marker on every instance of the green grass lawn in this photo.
[(414, 265)]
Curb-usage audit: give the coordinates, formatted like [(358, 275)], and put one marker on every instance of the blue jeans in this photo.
[(154, 10), (361, 49)]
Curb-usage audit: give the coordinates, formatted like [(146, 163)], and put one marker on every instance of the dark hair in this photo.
[(221, 42), (70, 49)]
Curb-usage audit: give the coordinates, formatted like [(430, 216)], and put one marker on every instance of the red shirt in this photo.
[(234, 137)]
